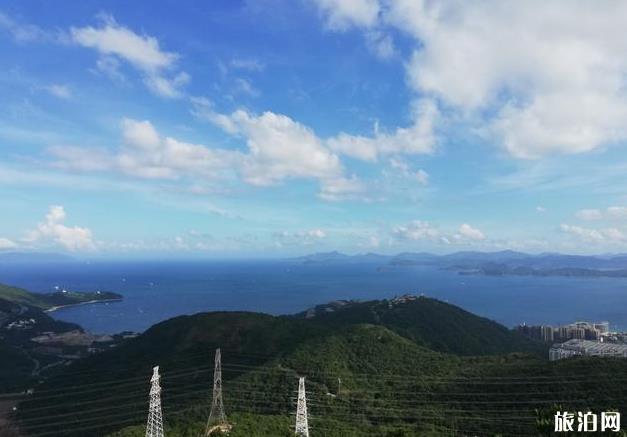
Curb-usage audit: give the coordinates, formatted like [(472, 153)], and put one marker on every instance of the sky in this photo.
[(280, 127)]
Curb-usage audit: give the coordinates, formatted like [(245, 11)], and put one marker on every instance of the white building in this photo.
[(589, 348)]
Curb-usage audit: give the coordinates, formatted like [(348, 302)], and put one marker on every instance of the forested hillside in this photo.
[(363, 379)]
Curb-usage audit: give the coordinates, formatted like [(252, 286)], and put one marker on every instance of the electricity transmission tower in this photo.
[(154, 427), (217, 418), (302, 426)]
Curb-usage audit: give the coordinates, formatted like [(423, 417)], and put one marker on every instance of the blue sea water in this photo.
[(155, 291)]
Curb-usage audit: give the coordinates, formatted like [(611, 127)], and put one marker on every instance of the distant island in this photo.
[(501, 263), (503, 270)]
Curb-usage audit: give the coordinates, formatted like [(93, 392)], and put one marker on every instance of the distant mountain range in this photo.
[(506, 262)]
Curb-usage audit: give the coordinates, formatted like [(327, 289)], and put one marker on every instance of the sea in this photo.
[(158, 290)]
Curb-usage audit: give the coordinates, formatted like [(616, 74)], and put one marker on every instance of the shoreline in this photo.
[(89, 302)]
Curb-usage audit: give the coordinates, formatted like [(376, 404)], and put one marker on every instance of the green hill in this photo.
[(383, 378), (429, 322), (22, 318), (49, 300)]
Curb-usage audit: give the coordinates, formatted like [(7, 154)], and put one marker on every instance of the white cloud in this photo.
[(143, 52), (22, 32), (611, 212), (140, 134), (402, 167), (281, 148), (60, 91), (588, 235), (540, 209), (589, 214), (278, 148), (417, 230), (545, 77), (5, 244), (245, 86), (110, 67), (468, 232), (248, 64), (419, 138), (167, 87), (381, 44), (420, 230), (341, 188), (306, 238), (53, 229), (112, 39), (146, 154), (617, 211), (341, 14), (422, 177)]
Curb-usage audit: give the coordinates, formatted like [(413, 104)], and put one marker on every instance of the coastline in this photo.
[(89, 302)]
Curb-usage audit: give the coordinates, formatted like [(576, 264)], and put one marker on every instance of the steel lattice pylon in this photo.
[(302, 426), (154, 427), (217, 417)]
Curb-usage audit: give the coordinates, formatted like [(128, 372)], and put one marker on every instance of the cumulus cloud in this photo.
[(277, 148), (113, 41), (381, 44), (306, 238), (60, 91), (551, 77), (53, 229), (281, 148), (468, 232), (22, 32), (402, 168), (611, 212), (110, 67), (342, 188), (589, 214), (418, 230), (588, 235), (5, 244), (146, 154), (617, 211), (245, 86), (342, 14), (419, 138)]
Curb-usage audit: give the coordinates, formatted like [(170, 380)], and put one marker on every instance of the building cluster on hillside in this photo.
[(579, 339), (577, 330), (21, 324), (589, 348)]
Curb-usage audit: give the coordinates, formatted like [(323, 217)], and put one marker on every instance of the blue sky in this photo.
[(275, 127)]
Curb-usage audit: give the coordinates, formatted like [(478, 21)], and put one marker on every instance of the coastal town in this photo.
[(579, 339)]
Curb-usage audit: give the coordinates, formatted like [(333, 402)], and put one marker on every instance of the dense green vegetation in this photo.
[(15, 367), (395, 379), (431, 323), (18, 354), (21, 319), (50, 300)]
